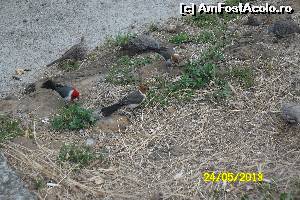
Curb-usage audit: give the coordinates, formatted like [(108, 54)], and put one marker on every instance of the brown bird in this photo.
[(76, 52), (145, 43), (132, 100)]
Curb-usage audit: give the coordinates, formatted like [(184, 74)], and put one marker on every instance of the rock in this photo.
[(283, 28), (111, 124), (157, 196), (11, 97), (291, 112), (90, 142), (20, 71), (172, 28), (11, 186)]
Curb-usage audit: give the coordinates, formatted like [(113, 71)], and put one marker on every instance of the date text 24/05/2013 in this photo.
[(233, 177)]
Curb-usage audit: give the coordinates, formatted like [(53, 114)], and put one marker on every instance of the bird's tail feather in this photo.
[(107, 111), (49, 84), (52, 63)]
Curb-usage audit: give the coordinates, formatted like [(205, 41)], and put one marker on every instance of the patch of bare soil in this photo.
[(162, 152)]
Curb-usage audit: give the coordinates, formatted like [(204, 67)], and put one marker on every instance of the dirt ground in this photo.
[(161, 152)]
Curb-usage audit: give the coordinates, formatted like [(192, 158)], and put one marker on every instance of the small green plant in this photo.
[(196, 76), (212, 54), (123, 39), (153, 27), (73, 117), (69, 65), (245, 197), (123, 72), (244, 75), (180, 38), (81, 155), (206, 37), (9, 128), (39, 183), (203, 20), (286, 196), (223, 91)]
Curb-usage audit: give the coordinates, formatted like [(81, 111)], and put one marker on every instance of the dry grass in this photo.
[(166, 149)]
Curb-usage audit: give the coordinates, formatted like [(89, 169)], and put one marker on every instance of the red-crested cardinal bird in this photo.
[(68, 93), (76, 52), (132, 100)]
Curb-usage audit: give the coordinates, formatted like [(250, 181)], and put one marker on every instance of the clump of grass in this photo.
[(153, 27), (9, 128), (39, 183), (123, 39), (212, 54), (73, 117), (223, 91), (244, 75), (180, 38), (196, 76), (286, 196), (230, 16), (206, 37), (123, 72), (203, 20), (80, 155), (69, 65)]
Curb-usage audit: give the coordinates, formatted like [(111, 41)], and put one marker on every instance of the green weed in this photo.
[(223, 91), (9, 128), (73, 117), (76, 154), (122, 39), (180, 38), (203, 20), (123, 72), (212, 54), (244, 75), (69, 65), (39, 183), (206, 37)]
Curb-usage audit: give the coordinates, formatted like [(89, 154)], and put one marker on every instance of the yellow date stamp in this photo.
[(233, 177)]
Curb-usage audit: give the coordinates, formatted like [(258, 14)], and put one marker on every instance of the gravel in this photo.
[(11, 187), (35, 32)]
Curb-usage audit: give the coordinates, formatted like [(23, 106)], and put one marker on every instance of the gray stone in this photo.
[(11, 186), (90, 142), (283, 28), (291, 112)]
